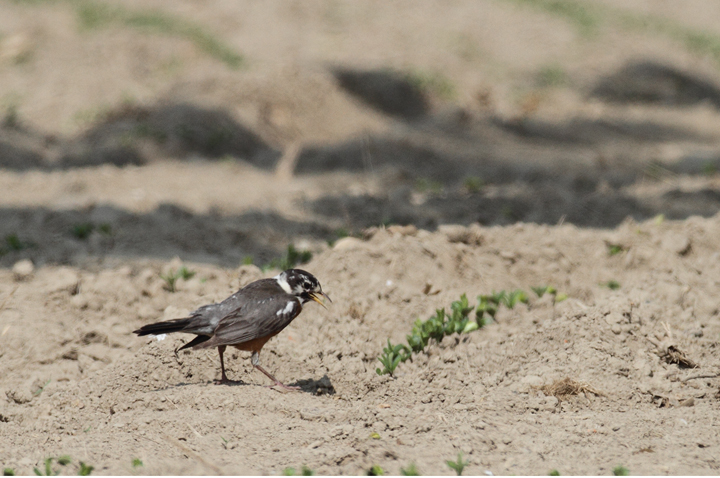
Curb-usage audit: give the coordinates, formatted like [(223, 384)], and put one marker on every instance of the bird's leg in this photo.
[(223, 377), (255, 360)]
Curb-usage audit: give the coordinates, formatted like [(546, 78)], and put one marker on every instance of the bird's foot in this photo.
[(291, 388)]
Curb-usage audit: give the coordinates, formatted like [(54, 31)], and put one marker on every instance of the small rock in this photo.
[(690, 402), (19, 396), (23, 270), (80, 301), (63, 279), (677, 243), (408, 230), (347, 244), (550, 403)]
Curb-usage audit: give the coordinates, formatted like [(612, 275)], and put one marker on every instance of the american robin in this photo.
[(247, 319)]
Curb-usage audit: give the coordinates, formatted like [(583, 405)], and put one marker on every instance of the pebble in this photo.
[(23, 270), (347, 244)]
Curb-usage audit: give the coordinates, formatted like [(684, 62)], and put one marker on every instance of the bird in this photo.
[(248, 319)]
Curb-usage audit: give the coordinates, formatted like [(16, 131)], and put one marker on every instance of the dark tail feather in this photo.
[(197, 340), (167, 327)]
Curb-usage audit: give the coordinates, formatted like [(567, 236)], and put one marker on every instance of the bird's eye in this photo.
[(306, 285)]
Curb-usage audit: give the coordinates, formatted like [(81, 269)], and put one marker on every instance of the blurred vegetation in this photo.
[(93, 15), (589, 17)]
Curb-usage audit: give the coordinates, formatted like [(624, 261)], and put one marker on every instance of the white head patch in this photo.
[(282, 282)]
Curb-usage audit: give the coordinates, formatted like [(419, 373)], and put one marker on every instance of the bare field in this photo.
[(420, 151)]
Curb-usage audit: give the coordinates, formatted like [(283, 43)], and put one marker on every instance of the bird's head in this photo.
[(302, 284)]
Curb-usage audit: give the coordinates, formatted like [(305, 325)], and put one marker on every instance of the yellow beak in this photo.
[(316, 297)]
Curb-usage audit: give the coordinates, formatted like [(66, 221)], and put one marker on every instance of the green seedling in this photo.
[(105, 229), (248, 260), (511, 299), (391, 357), (418, 339), (137, 462), (14, 243), (614, 249), (560, 297), (541, 291), (554, 473), (85, 470), (552, 76), (611, 284), (432, 83), (411, 470), (96, 15), (375, 470), (487, 305), (171, 277), (186, 273), (338, 234), (620, 471), (291, 258), (305, 471), (473, 184), (48, 471), (8, 472), (458, 465), (38, 392), (64, 460), (442, 324), (425, 185), (82, 231)]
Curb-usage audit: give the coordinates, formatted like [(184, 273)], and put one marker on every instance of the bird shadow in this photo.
[(323, 386)]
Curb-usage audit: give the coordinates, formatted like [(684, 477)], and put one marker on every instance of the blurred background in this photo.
[(223, 131)]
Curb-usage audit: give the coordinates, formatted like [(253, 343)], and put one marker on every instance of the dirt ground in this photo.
[(526, 142)]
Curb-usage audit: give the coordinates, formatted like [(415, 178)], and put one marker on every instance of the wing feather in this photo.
[(255, 319)]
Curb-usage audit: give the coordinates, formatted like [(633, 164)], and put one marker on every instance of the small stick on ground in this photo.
[(695, 377), (566, 387)]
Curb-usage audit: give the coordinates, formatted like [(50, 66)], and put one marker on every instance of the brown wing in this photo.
[(254, 320)]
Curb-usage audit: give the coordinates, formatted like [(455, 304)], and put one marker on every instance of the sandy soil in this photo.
[(521, 144)]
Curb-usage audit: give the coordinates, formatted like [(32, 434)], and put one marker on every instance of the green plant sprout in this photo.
[(305, 471), (614, 249), (85, 470), (137, 462), (375, 470), (171, 277), (473, 184), (83, 230), (458, 465), (620, 471), (456, 322), (611, 284), (391, 357), (411, 470), (290, 259)]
